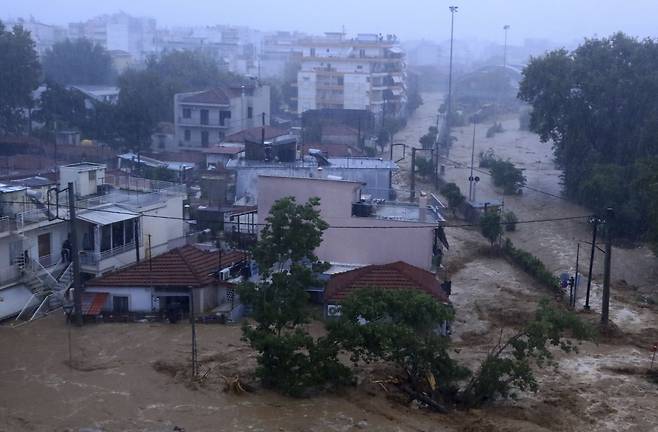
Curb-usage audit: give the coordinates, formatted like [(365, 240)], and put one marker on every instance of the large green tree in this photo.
[(19, 76), (78, 61), (597, 106), (290, 360)]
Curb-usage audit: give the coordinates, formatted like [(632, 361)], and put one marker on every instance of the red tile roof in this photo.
[(221, 149), (186, 266), (254, 134), (397, 275)]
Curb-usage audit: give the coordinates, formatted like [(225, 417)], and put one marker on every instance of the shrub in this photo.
[(531, 265), (490, 226), (487, 158), (510, 221), (453, 195), (507, 176)]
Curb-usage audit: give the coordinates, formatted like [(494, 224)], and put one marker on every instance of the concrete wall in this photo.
[(139, 298), (375, 179), (351, 245)]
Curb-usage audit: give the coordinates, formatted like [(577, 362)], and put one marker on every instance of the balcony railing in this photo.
[(93, 258)]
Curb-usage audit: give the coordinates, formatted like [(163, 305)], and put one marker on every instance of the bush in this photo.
[(531, 265), (424, 167), (487, 158), (510, 219), (494, 129), (507, 176), (453, 195), (490, 226)]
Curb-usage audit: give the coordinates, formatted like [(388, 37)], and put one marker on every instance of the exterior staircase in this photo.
[(47, 290)]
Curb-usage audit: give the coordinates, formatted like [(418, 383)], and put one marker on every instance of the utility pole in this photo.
[(576, 278), (77, 285), (453, 10), (413, 174), (193, 319), (595, 221), (471, 179), (262, 130), (605, 298), (136, 228)]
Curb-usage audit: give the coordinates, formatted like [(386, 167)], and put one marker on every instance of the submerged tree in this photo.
[(290, 359)]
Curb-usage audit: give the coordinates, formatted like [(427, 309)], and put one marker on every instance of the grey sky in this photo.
[(558, 20)]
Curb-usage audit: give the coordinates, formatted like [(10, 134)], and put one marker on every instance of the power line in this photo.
[(418, 226)]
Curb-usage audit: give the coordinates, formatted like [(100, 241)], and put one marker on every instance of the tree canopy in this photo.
[(597, 106), (78, 61), (19, 76)]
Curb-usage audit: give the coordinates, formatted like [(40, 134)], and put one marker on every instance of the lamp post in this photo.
[(506, 27), (453, 10)]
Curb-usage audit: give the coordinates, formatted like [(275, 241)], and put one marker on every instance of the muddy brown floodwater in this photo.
[(135, 377)]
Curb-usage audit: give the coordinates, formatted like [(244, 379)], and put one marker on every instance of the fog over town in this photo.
[(307, 216)]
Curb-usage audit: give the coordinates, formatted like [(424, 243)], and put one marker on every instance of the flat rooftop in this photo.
[(405, 212), (311, 162)]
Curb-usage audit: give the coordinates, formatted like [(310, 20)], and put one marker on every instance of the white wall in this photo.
[(139, 298), (351, 245)]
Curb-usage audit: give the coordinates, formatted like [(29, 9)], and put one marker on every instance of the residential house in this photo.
[(363, 73), (392, 276), (361, 231), (182, 277), (204, 118), (176, 171), (97, 93)]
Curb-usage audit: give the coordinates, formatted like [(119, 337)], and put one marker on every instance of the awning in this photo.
[(92, 303), (107, 215)]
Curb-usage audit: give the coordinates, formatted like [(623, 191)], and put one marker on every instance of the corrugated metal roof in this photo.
[(107, 215)]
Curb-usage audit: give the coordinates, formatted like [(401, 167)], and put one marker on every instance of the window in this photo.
[(223, 116), (204, 117), (359, 67), (188, 134), (120, 304), (129, 228), (162, 141), (204, 139), (117, 234), (340, 80), (106, 238), (92, 175), (312, 52), (187, 113), (362, 53), (250, 112)]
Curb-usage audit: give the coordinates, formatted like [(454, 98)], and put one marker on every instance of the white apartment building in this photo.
[(118, 218), (204, 118), (119, 31), (364, 73)]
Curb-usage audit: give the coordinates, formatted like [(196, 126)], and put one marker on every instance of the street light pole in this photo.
[(453, 10), (506, 28)]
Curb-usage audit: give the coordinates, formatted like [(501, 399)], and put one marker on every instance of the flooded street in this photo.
[(135, 377)]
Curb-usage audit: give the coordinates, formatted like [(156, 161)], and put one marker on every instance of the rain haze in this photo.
[(560, 21), (344, 215)]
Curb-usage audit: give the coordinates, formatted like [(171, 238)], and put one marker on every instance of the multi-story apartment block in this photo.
[(204, 118), (364, 73), (278, 50), (120, 31), (119, 218)]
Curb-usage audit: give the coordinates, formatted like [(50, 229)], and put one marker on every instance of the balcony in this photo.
[(91, 258)]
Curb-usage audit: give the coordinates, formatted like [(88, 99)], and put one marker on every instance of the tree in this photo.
[(596, 105), (289, 359), (427, 141), (424, 167), (509, 364), (186, 70), (400, 326), (506, 175), (490, 226), (61, 108), (140, 107), (454, 196), (19, 76), (78, 61)]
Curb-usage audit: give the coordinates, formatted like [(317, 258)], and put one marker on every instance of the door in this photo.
[(44, 249), (120, 304)]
